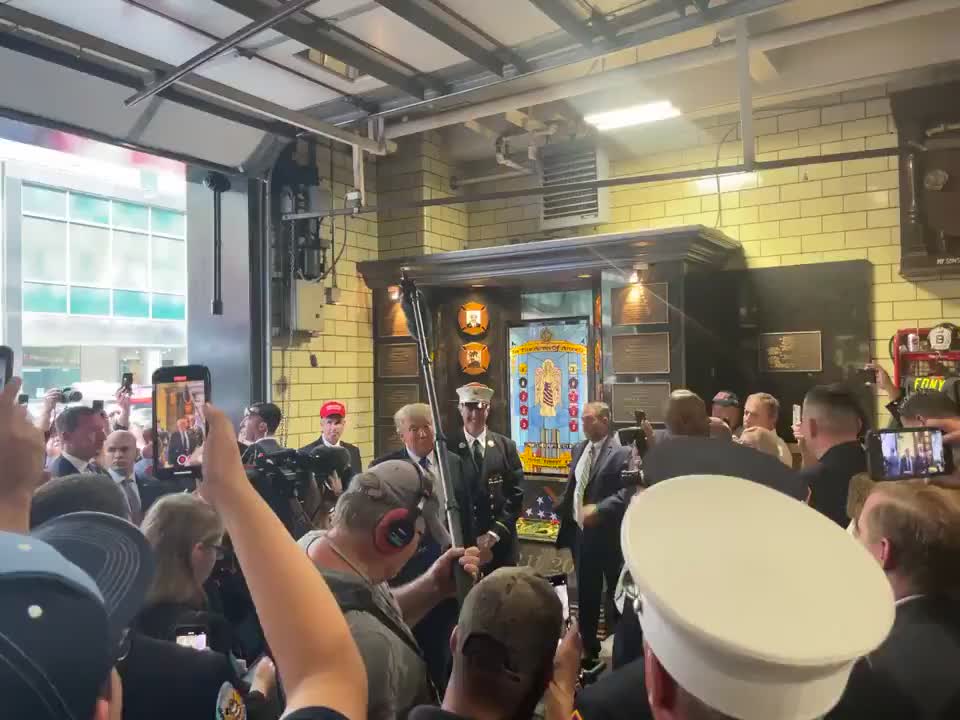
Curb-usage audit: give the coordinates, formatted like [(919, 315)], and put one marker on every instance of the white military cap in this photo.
[(756, 604), (475, 393)]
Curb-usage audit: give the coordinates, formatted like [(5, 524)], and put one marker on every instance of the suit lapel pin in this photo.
[(462, 445), (489, 443)]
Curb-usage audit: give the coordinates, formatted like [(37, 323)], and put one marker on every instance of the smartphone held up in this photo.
[(908, 453), (179, 396)]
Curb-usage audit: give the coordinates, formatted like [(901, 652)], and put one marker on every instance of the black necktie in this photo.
[(477, 454)]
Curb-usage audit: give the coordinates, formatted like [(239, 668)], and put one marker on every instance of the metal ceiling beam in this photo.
[(420, 17), (94, 56), (553, 57), (218, 48), (523, 121), (323, 37), (568, 20), (481, 129)]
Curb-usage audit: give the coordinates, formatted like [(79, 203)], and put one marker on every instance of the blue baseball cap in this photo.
[(68, 593)]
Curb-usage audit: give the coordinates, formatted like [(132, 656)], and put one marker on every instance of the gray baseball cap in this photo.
[(401, 484), (515, 616)]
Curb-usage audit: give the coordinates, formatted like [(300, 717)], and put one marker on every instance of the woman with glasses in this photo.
[(187, 538)]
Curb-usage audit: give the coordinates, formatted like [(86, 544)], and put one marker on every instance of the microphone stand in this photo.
[(414, 300)]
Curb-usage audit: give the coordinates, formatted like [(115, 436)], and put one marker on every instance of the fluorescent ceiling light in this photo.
[(635, 115)]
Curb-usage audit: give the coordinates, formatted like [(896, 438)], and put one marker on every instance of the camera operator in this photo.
[(258, 428)]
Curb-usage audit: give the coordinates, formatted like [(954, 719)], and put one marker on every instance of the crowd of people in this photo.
[(733, 584)]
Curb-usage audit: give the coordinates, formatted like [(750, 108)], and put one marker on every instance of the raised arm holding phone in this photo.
[(317, 660)]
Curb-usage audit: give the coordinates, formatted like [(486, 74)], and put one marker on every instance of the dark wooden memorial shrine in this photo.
[(622, 318)]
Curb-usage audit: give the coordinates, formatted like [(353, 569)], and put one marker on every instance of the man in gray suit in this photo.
[(590, 514)]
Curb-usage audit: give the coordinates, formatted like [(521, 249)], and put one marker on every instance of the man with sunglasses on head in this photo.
[(258, 430), (493, 470)]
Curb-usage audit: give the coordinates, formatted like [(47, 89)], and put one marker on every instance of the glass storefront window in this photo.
[(89, 301), (89, 255), (128, 215), (40, 297), (44, 201), (89, 209), (130, 253), (44, 250), (168, 266), (169, 307), (131, 304), (100, 257)]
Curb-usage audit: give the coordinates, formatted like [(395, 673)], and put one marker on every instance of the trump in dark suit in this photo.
[(590, 514), (181, 442)]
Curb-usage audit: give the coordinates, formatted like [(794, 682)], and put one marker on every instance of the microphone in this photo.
[(406, 304)]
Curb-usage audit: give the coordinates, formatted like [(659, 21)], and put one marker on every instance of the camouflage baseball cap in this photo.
[(511, 620)]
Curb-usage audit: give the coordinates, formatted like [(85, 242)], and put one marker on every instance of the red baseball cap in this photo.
[(332, 407)]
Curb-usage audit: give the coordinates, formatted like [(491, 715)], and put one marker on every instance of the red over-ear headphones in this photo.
[(397, 528)]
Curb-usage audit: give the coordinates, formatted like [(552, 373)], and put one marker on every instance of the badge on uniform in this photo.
[(229, 704)]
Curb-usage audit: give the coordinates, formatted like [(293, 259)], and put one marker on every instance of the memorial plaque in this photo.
[(627, 398), (391, 398), (787, 352), (639, 304), (387, 440), (640, 354), (391, 321), (397, 360)]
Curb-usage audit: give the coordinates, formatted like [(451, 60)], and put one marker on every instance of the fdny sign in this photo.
[(929, 383)]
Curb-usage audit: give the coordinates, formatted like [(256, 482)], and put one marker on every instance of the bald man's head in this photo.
[(120, 450)]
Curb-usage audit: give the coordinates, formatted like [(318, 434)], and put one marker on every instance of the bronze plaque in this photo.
[(639, 354), (387, 440), (639, 304), (391, 398), (391, 321), (397, 360), (791, 352), (626, 398)]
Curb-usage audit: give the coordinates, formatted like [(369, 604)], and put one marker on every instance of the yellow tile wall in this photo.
[(344, 350), (805, 215)]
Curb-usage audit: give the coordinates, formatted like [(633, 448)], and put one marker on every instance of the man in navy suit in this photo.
[(590, 514), (181, 443), (415, 427), (82, 435)]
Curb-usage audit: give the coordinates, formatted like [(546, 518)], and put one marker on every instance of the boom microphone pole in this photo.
[(413, 305)]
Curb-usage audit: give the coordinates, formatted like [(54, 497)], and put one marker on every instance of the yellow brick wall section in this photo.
[(344, 350), (804, 215)]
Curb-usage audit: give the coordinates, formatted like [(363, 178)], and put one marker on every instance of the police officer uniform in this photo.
[(494, 472)]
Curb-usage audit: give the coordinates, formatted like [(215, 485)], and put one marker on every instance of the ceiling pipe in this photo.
[(725, 51), (457, 183)]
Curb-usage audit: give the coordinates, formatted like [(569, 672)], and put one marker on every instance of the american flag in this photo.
[(542, 509)]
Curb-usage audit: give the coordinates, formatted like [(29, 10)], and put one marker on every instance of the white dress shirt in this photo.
[(482, 438), (582, 475), (80, 465), (438, 490), (330, 444), (131, 493)]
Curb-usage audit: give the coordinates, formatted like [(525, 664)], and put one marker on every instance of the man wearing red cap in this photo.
[(333, 419)]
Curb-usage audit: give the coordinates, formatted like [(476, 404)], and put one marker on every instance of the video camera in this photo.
[(286, 477), (69, 395)]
